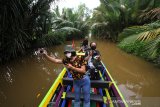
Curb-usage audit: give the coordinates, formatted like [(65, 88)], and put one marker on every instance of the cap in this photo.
[(69, 48)]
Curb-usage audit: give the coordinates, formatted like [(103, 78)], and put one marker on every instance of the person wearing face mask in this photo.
[(77, 67), (93, 58), (84, 46)]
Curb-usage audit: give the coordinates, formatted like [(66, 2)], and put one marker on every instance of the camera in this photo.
[(41, 51)]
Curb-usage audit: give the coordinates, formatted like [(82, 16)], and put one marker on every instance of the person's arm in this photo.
[(89, 55), (52, 59), (80, 50), (87, 58), (80, 70), (99, 55)]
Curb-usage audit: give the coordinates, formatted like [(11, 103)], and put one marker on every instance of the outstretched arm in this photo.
[(52, 59)]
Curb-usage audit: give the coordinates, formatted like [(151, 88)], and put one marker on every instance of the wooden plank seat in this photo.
[(94, 83), (93, 97)]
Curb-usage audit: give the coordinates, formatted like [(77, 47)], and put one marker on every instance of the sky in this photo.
[(74, 3)]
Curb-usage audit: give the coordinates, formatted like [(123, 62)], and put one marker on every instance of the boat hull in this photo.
[(104, 92)]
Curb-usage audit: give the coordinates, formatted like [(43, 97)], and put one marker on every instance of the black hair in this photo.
[(73, 53), (85, 42), (91, 43)]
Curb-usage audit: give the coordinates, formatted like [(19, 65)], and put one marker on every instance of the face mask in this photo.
[(93, 47), (68, 55)]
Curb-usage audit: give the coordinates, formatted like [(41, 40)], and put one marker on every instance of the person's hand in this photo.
[(80, 50), (90, 53), (42, 51), (68, 66), (97, 57)]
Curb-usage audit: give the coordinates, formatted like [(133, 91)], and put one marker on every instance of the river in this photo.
[(25, 81)]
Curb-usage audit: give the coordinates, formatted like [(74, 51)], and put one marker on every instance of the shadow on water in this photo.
[(25, 81)]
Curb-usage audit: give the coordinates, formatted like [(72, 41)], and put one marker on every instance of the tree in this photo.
[(72, 23), (28, 24), (120, 14), (22, 21)]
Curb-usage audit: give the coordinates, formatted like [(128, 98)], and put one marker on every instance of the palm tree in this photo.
[(22, 21), (148, 34), (30, 23), (74, 23), (67, 25), (151, 15), (120, 14)]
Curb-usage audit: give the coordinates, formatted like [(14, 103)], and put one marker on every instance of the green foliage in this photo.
[(28, 24), (146, 32), (99, 30), (130, 17), (21, 21), (134, 47), (52, 38), (143, 41), (142, 49), (73, 23), (153, 48), (120, 14), (70, 33), (151, 15)]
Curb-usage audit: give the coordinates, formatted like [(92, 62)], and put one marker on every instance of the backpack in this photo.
[(94, 72)]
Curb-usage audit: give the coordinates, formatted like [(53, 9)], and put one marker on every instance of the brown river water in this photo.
[(25, 81)]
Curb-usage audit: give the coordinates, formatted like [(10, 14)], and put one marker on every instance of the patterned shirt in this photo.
[(78, 62)]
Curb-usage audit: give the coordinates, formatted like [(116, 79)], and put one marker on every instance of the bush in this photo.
[(50, 39), (137, 48)]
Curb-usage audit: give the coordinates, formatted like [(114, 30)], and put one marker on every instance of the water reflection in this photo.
[(8, 75), (2, 96)]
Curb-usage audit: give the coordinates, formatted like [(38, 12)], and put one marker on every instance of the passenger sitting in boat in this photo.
[(77, 66), (84, 46), (94, 61)]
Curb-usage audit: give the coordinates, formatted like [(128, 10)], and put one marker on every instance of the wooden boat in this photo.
[(104, 92)]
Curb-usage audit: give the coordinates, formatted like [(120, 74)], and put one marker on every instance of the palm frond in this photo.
[(149, 35), (69, 29), (64, 24), (99, 25), (153, 46), (151, 15), (145, 32)]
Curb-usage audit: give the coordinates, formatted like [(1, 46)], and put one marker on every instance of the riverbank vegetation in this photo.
[(134, 24), (27, 24)]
